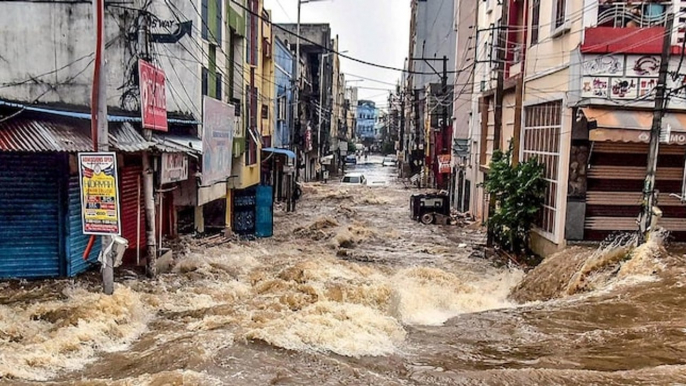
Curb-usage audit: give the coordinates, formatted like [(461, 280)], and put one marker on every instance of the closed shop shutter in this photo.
[(76, 240), (132, 209), (30, 241), (615, 183)]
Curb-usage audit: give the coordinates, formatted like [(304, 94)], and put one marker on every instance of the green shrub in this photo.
[(518, 192)]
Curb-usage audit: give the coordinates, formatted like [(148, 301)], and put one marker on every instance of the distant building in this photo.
[(367, 114)]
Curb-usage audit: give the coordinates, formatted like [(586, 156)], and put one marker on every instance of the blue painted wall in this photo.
[(283, 73), (367, 114), (76, 240)]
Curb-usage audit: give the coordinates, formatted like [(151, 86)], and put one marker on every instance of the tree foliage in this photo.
[(519, 192)]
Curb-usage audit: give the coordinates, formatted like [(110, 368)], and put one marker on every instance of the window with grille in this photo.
[(541, 140)]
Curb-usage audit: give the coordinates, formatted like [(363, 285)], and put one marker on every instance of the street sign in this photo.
[(153, 96), (174, 167), (99, 194)]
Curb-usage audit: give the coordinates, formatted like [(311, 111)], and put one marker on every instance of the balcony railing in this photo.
[(632, 14)]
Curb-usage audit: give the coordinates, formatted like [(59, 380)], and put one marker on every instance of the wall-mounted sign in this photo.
[(99, 193), (174, 167), (217, 140), (444, 163), (153, 96)]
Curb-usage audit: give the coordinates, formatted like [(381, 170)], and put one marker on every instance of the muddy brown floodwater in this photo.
[(350, 291)]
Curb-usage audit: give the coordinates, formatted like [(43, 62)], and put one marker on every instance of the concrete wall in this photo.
[(465, 21), (47, 54), (435, 37)]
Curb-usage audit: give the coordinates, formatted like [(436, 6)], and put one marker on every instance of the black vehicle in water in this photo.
[(426, 208)]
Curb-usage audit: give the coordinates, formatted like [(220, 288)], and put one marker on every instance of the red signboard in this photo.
[(444, 163), (153, 96)]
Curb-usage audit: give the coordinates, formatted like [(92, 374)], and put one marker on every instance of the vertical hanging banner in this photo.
[(99, 194), (153, 96)]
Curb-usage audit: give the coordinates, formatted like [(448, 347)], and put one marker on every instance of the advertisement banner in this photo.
[(174, 167), (444, 163), (99, 194), (153, 96), (217, 140)]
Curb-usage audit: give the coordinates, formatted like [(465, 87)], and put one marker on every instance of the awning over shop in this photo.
[(276, 150), (632, 125), (171, 143), (62, 135)]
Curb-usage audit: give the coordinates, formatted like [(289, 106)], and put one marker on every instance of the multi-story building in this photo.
[(365, 125), (432, 38), (315, 85), (578, 81), (207, 50), (462, 113)]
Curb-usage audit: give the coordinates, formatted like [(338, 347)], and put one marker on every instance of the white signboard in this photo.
[(174, 167), (217, 140)]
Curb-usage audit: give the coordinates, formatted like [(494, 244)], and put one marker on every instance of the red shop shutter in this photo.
[(131, 191)]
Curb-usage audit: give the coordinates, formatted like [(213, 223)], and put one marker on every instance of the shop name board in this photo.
[(174, 167), (100, 211), (444, 163), (153, 96)]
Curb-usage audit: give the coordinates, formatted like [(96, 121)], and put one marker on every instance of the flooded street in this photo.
[(351, 291)]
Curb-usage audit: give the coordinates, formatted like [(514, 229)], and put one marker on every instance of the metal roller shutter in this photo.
[(30, 213), (131, 199), (76, 240)]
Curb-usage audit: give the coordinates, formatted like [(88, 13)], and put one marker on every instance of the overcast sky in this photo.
[(376, 31)]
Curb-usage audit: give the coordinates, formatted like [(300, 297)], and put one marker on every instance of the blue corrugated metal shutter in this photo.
[(76, 240), (30, 241), (264, 224)]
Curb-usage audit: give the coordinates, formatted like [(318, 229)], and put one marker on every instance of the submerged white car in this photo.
[(354, 178)]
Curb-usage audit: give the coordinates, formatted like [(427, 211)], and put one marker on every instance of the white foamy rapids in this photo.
[(342, 328), (429, 296), (44, 338)]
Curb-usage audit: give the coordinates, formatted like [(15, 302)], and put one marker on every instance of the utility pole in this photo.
[(150, 203), (296, 115), (444, 92), (99, 130), (501, 48), (649, 208)]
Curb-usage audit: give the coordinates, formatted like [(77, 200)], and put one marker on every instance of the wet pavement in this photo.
[(351, 291)]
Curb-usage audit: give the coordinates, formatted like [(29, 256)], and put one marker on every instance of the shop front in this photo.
[(609, 171)]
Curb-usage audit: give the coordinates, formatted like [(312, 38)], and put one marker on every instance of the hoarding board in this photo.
[(444, 163), (100, 211), (153, 96), (217, 140)]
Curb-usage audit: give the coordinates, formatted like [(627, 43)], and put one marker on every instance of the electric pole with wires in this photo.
[(649, 210)]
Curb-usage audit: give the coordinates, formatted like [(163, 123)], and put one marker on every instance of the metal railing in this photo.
[(633, 14)]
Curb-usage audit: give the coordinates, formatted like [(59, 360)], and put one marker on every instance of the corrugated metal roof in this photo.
[(177, 143), (87, 116), (18, 134), (34, 135), (126, 138)]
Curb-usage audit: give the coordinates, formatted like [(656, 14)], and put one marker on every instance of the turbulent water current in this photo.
[(351, 291)]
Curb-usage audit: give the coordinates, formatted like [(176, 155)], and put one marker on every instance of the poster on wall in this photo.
[(100, 212), (174, 167), (217, 140)]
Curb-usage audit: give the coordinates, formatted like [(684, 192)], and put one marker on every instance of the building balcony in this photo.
[(631, 14), (628, 27)]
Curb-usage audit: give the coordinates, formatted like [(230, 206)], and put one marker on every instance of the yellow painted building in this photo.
[(257, 112)]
